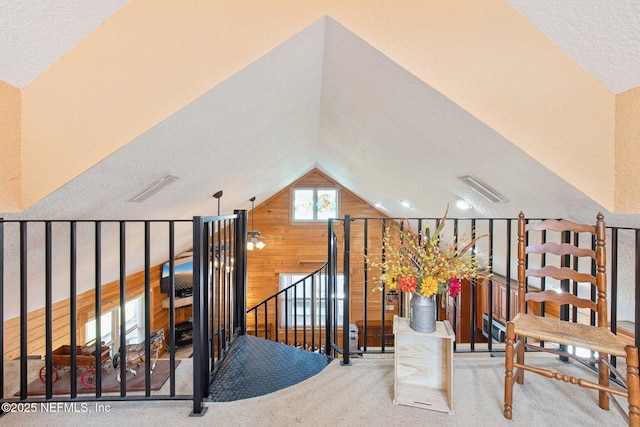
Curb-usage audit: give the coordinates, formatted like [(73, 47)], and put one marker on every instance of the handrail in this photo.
[(215, 325), (219, 295), (312, 299), (498, 251)]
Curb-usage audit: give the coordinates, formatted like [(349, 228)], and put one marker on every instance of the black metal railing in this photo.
[(496, 250), (58, 276), (295, 315), (43, 263), (219, 295), (48, 273)]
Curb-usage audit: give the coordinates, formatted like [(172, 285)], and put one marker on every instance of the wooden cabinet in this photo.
[(423, 366), (374, 334), (500, 295), (491, 295), (504, 305), (183, 308)]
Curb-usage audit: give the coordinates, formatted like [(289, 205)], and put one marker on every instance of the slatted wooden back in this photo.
[(596, 254)]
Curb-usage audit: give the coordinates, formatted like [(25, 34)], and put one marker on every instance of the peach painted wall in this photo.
[(491, 61), (10, 158), (146, 62), (628, 152), (154, 57)]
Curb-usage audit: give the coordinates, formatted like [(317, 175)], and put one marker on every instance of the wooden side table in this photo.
[(423, 369)]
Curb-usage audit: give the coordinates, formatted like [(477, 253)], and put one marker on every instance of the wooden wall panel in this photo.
[(85, 311), (294, 247)]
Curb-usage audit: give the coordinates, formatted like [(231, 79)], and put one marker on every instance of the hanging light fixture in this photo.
[(253, 235)]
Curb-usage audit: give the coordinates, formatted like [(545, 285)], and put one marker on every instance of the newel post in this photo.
[(240, 271)]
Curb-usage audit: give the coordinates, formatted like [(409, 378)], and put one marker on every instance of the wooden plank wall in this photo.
[(85, 311), (294, 247)]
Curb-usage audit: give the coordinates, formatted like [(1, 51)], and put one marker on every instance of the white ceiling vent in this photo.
[(153, 188), (483, 189)]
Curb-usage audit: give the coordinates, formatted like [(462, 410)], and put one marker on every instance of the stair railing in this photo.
[(293, 315), (219, 295)]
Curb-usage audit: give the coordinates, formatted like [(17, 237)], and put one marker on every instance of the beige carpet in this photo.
[(362, 395)]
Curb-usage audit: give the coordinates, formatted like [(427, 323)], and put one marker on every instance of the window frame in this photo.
[(134, 331), (287, 300), (315, 191)]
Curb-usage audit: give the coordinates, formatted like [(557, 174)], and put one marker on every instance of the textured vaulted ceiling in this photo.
[(391, 113), (325, 98)]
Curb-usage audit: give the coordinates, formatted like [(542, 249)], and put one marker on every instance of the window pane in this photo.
[(321, 287), (303, 205), (131, 313), (327, 204), (105, 328), (303, 300)]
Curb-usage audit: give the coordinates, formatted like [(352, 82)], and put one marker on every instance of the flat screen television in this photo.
[(183, 274)]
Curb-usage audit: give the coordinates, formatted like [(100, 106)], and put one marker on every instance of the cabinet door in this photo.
[(503, 303), (497, 301), (500, 301), (514, 302)]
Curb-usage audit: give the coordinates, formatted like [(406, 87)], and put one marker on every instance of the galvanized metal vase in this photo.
[(422, 313)]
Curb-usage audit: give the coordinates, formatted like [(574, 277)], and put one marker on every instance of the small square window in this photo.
[(315, 204)]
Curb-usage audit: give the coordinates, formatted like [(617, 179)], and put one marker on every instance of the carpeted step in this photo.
[(256, 366)]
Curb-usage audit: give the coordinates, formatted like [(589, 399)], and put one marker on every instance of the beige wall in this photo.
[(492, 62), (152, 58), (627, 190), (10, 157)]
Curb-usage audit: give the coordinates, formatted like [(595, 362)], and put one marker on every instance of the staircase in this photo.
[(256, 366)]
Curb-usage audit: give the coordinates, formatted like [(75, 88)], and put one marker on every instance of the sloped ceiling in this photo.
[(324, 98), (602, 36)]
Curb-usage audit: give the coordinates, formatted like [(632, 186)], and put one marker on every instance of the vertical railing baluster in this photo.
[(295, 315), (200, 359), (147, 307), (508, 245), (98, 298), (455, 306), (330, 277), (123, 318), (613, 297), (217, 287), (73, 306), (314, 288), (614, 283), (490, 250), (48, 308), (24, 312), (365, 273), (286, 317), (474, 302), (277, 319), (346, 286), (383, 306), (172, 307), (304, 313), (255, 319), (266, 321), (208, 300)]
